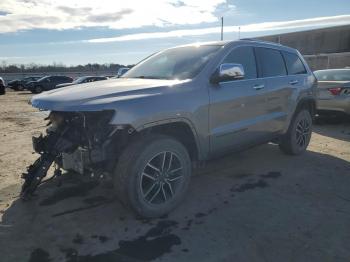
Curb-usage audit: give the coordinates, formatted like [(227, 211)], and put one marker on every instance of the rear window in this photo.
[(333, 75), (294, 64), (270, 62)]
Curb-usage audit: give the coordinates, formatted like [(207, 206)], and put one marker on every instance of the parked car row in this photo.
[(47, 83), (38, 84), (83, 79), (21, 84)]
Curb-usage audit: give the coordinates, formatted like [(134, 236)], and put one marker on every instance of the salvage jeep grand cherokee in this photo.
[(181, 105)]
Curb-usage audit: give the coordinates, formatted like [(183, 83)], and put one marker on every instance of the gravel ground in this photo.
[(257, 205)]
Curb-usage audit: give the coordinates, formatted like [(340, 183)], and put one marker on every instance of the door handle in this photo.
[(258, 87), (293, 82)]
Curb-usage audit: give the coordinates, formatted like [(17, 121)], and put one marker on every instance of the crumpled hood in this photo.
[(99, 95)]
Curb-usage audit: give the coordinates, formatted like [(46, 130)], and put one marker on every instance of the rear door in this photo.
[(62, 79), (54, 80), (46, 83), (272, 69), (297, 75), (236, 106)]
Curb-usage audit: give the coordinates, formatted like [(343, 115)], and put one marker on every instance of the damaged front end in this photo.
[(84, 142)]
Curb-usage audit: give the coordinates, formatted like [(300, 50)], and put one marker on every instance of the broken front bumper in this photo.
[(83, 160), (77, 161)]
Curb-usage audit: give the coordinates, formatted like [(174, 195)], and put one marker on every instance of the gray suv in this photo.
[(179, 106)]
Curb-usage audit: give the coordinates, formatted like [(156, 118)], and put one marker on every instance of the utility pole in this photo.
[(222, 28)]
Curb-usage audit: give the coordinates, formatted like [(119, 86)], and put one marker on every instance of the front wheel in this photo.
[(152, 175), (298, 136)]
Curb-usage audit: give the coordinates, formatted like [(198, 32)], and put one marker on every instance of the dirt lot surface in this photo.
[(258, 205)]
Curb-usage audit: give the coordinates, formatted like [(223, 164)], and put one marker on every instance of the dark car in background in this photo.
[(333, 93), (47, 83), (2, 86), (20, 84), (83, 79)]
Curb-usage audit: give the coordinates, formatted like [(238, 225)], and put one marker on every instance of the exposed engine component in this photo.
[(68, 134)]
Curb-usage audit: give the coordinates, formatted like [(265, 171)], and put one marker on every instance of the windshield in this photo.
[(175, 63), (333, 75), (43, 78)]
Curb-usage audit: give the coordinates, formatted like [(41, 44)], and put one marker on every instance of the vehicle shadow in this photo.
[(337, 127), (24, 93), (227, 201)]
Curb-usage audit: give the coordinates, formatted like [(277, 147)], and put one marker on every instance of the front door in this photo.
[(236, 107)]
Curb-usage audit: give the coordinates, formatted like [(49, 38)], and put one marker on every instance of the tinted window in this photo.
[(294, 64), (55, 78), (271, 62), (244, 56), (333, 75)]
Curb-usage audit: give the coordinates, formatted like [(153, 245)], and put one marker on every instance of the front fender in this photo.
[(145, 112)]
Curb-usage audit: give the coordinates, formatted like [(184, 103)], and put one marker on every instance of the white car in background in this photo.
[(333, 92)]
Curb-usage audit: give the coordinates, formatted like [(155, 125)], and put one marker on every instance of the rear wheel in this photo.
[(152, 175), (298, 136)]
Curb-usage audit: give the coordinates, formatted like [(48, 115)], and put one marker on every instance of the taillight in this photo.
[(335, 90)]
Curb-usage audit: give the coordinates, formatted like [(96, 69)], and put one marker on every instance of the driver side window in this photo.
[(245, 56)]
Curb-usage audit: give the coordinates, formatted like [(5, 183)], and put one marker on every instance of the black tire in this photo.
[(37, 89), (131, 182), (298, 136)]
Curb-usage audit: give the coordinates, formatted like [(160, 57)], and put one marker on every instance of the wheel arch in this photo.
[(308, 103), (180, 129)]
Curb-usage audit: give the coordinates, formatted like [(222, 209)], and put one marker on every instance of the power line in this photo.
[(222, 28)]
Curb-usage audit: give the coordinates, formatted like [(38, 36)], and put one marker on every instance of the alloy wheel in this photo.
[(302, 132), (161, 178)]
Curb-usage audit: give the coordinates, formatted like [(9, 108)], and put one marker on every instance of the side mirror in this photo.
[(227, 72)]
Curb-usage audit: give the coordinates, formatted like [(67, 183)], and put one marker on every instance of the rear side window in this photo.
[(245, 56), (270, 62), (294, 64)]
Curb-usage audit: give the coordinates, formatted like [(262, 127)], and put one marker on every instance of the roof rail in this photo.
[(261, 41)]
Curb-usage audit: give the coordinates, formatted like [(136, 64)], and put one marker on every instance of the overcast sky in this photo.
[(105, 31)]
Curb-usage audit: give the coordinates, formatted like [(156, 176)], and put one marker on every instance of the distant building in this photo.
[(322, 48)]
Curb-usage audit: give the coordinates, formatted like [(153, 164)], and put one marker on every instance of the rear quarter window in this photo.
[(270, 62), (294, 64)]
